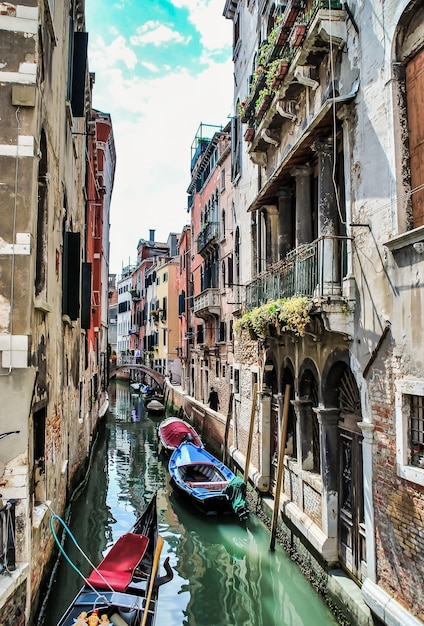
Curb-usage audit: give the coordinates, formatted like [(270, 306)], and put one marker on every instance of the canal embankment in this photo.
[(341, 593)]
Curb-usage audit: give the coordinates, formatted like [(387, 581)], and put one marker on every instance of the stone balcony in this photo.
[(207, 304)]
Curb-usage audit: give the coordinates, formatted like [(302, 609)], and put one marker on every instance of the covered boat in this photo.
[(173, 430), (206, 482), (123, 589), (156, 407)]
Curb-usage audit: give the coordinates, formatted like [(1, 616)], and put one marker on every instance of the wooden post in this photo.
[(155, 565), (249, 441), (280, 467), (227, 428)]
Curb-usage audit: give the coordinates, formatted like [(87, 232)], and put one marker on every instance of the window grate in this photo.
[(416, 429)]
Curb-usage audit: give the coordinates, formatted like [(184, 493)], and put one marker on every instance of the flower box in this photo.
[(297, 34), (279, 74), (263, 106), (290, 14), (249, 134)]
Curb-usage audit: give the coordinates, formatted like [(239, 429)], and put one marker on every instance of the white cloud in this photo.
[(156, 33), (103, 56), (207, 17)]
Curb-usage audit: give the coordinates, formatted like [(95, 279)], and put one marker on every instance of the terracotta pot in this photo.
[(297, 34), (249, 134)]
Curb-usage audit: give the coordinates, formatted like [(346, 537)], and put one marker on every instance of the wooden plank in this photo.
[(280, 467)]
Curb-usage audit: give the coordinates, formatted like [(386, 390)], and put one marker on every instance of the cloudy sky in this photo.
[(161, 68)]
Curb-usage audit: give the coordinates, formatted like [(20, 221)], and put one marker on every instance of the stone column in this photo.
[(329, 262), (329, 435), (367, 451), (285, 222), (271, 212), (303, 223)]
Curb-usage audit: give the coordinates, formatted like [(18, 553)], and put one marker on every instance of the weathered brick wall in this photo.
[(13, 611), (312, 504), (399, 504)]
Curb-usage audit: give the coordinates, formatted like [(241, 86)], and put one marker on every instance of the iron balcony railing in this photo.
[(314, 270), (7, 537), (209, 232)]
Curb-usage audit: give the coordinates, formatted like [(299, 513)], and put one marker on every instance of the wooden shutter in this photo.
[(415, 104)]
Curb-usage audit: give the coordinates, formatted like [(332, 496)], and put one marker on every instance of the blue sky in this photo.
[(161, 68)]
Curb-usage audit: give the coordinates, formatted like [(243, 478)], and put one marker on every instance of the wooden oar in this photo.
[(159, 547)]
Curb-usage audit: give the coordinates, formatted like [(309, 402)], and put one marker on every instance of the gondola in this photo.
[(206, 483), (173, 430), (123, 590)]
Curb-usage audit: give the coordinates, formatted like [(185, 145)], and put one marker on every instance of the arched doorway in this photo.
[(351, 524)]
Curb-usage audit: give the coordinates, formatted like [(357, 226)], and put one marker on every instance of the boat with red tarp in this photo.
[(173, 430), (123, 589)]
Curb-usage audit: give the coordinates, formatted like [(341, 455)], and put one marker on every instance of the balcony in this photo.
[(209, 233), (207, 304), (323, 23), (314, 270)]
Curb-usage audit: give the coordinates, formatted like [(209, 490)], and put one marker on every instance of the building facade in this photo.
[(327, 174), (57, 164)]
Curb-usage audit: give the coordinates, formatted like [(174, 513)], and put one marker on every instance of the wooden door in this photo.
[(415, 107), (351, 499)]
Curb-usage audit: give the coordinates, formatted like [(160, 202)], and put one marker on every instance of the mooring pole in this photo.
[(280, 466), (250, 439)]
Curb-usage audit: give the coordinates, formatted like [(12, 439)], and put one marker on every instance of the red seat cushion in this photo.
[(118, 566)]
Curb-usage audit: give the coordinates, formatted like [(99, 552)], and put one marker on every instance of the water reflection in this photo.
[(224, 573)]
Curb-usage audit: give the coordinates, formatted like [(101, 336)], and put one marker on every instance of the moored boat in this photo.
[(173, 430), (155, 407), (123, 589), (206, 482)]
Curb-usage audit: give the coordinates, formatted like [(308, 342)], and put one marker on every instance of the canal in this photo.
[(224, 572)]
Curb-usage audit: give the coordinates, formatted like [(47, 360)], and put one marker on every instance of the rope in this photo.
[(74, 567)]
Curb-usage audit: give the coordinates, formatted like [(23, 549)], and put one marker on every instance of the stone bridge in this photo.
[(135, 367)]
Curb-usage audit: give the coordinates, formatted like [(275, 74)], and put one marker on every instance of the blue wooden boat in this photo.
[(206, 482)]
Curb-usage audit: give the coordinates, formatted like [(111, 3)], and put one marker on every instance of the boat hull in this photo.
[(173, 431), (200, 478)]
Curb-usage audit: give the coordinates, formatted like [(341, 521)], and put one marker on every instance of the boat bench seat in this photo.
[(117, 568), (212, 486)]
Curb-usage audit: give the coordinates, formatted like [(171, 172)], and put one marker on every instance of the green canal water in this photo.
[(224, 572)]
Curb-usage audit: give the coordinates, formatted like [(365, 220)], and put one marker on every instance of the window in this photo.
[(409, 411)]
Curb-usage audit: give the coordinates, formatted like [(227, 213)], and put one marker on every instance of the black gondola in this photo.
[(123, 590)]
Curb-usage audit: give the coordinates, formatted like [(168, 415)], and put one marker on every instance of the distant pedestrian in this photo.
[(213, 400), (170, 376)]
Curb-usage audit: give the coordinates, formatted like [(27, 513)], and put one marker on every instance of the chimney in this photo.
[(151, 236)]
